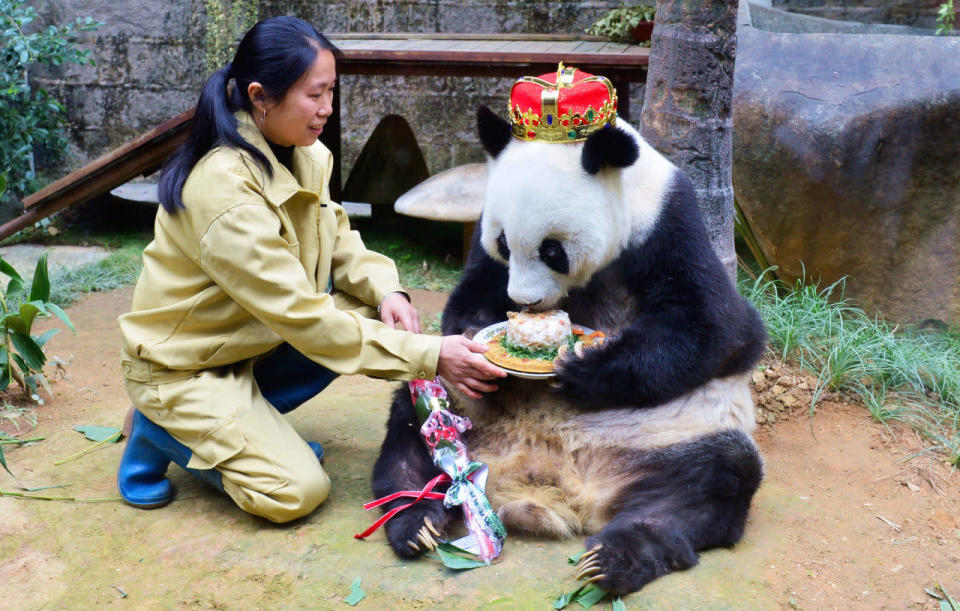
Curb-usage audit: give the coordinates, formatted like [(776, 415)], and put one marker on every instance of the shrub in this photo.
[(21, 353), (29, 116)]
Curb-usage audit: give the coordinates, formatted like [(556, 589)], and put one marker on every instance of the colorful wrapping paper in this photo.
[(442, 432)]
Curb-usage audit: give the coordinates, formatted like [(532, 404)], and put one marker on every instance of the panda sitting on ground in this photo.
[(644, 443)]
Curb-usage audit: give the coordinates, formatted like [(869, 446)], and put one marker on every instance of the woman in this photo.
[(255, 294)]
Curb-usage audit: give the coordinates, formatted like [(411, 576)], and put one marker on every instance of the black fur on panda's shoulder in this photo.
[(608, 148), (480, 298), (688, 323)]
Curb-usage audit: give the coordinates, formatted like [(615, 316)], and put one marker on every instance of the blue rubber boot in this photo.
[(317, 449), (150, 450)]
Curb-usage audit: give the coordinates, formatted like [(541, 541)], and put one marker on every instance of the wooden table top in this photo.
[(487, 54)]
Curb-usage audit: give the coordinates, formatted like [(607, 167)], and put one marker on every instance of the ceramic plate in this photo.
[(485, 335)]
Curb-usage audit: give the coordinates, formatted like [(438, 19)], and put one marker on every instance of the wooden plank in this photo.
[(336, 37), (164, 131)]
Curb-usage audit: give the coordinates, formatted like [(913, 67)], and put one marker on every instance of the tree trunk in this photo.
[(687, 106)]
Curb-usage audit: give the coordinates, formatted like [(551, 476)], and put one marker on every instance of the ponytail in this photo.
[(276, 53)]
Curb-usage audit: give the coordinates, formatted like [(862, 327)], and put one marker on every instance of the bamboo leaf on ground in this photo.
[(113, 438), (97, 433), (458, 559), (356, 593)]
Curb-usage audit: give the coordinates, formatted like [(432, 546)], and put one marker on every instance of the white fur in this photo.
[(540, 190), (720, 404)]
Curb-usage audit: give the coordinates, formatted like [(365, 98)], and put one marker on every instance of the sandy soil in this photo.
[(845, 519)]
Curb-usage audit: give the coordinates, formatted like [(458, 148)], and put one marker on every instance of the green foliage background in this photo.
[(29, 116)]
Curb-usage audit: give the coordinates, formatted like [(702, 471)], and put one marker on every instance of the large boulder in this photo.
[(846, 163)]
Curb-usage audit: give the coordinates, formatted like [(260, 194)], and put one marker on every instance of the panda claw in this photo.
[(595, 578), (589, 569), (589, 553), (413, 546), (427, 540), (431, 527)]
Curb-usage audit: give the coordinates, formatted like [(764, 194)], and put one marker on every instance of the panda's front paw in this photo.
[(417, 529), (623, 559)]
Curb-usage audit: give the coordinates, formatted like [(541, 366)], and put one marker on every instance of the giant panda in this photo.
[(642, 445)]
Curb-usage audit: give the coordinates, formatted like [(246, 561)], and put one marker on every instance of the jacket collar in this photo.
[(308, 162)]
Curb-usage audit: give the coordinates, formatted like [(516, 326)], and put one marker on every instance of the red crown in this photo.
[(565, 106)]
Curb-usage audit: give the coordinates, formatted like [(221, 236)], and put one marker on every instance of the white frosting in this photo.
[(538, 329)]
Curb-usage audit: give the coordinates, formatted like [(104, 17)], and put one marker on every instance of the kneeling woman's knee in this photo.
[(304, 491)]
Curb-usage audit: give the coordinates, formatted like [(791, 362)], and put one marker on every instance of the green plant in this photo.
[(21, 353), (903, 374), (29, 116), (618, 24), (946, 17)]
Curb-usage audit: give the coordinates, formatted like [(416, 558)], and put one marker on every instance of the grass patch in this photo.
[(898, 373), (118, 269), (427, 257)]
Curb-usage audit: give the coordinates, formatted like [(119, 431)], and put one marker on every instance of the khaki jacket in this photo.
[(247, 265)]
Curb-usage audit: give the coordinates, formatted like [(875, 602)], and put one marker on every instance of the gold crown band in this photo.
[(551, 126)]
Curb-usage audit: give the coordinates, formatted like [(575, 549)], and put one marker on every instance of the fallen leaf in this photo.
[(97, 433), (356, 594)]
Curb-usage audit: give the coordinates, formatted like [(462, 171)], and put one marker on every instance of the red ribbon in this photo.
[(426, 493)]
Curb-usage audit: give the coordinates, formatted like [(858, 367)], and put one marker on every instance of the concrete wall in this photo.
[(150, 66), (917, 13)]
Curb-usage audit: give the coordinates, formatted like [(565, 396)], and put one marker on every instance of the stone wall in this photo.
[(151, 64), (917, 13)]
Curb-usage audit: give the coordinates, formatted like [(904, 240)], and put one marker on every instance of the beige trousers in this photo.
[(267, 468)]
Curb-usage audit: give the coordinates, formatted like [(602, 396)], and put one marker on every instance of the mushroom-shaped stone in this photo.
[(452, 195)]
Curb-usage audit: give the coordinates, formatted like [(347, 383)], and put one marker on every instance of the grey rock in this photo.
[(846, 164)]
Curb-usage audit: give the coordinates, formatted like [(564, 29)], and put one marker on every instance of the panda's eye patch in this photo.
[(502, 247), (554, 256)]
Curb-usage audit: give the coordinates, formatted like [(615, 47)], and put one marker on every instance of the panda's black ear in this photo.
[(608, 148), (494, 132)]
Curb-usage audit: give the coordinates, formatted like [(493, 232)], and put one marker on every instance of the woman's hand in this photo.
[(396, 309), (463, 365)]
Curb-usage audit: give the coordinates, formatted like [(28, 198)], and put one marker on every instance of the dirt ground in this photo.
[(844, 519)]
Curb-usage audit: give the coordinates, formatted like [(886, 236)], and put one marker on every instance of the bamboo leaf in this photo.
[(3, 462), (576, 557), (457, 558), (40, 289), (13, 322), (562, 601), (97, 433), (43, 339), (39, 488), (14, 286), (29, 350), (7, 269), (4, 373), (356, 593), (28, 311), (618, 604), (590, 596), (61, 315)]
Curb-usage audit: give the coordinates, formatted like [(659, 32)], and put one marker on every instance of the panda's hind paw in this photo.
[(623, 560)]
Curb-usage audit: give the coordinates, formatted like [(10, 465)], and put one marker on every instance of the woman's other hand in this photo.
[(396, 309), (462, 364)]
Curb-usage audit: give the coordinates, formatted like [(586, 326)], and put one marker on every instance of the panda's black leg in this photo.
[(692, 497), (404, 464)]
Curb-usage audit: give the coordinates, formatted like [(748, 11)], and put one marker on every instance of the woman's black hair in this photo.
[(275, 52)]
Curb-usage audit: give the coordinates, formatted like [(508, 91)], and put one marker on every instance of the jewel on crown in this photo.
[(565, 106)]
